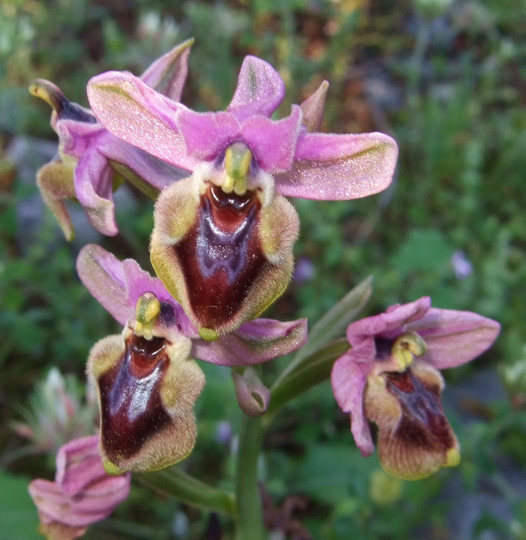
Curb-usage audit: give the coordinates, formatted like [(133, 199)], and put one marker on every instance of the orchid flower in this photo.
[(391, 377), (223, 237), (88, 153), (82, 493), (146, 377)]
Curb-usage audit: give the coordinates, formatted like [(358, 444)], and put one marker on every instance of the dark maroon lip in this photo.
[(423, 423), (221, 257), (131, 407)]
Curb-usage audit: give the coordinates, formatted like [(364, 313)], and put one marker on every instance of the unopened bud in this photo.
[(252, 395)]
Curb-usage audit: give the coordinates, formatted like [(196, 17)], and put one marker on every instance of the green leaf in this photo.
[(313, 370), (190, 490), (336, 320), (332, 324), (329, 472), (18, 514)]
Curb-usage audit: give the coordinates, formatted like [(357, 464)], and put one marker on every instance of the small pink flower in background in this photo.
[(461, 265), (390, 376), (82, 493), (223, 237)]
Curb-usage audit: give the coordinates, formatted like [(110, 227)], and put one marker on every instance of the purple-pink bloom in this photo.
[(82, 493), (146, 378), (390, 376), (223, 237), (88, 153), (118, 285), (303, 164)]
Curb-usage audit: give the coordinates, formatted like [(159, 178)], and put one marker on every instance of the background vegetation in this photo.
[(447, 78)]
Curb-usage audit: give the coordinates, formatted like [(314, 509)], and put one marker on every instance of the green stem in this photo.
[(189, 490), (250, 517)]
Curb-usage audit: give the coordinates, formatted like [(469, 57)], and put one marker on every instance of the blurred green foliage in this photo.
[(448, 82)]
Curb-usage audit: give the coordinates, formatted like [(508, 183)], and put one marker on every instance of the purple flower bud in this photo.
[(252, 395)]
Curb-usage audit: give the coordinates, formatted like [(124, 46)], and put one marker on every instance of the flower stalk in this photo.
[(190, 490), (250, 516)]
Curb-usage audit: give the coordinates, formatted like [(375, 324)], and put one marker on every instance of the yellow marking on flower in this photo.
[(208, 334), (237, 165), (406, 347), (146, 314), (48, 92), (111, 468), (452, 457)]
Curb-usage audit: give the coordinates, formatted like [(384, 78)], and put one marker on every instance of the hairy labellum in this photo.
[(414, 436), (224, 256), (146, 392)]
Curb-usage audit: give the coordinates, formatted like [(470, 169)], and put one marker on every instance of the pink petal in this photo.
[(79, 511), (75, 137), (103, 275), (340, 167), (167, 74), (135, 113), (254, 342), (273, 143), (117, 285), (206, 135), (93, 187), (389, 324), (79, 464), (348, 380), (138, 281), (259, 89), (83, 493), (313, 107), (454, 337), (154, 171)]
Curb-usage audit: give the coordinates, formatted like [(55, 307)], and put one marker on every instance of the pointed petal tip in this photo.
[(48, 92), (313, 108), (55, 182), (454, 337), (259, 91), (168, 73)]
